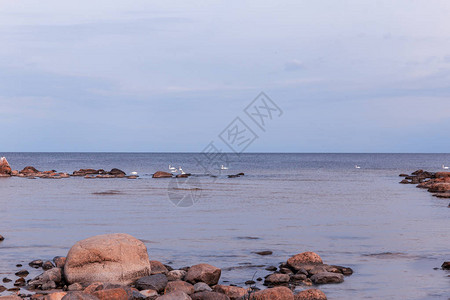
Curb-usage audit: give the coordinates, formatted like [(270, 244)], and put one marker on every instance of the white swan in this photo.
[(444, 167), (134, 173), (357, 167), (181, 170), (172, 169), (222, 167)]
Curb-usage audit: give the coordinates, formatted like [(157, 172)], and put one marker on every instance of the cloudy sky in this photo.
[(350, 76)]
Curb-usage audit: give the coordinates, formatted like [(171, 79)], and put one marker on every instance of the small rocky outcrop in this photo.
[(114, 258), (437, 183), (5, 168), (161, 174)]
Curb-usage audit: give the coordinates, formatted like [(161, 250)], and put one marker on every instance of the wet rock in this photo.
[(276, 279), (158, 268), (75, 287), (22, 273), (327, 277), (297, 277), (84, 172), (250, 282), (446, 265), (176, 275), (118, 173), (175, 296), (79, 296), (59, 261), (2, 288), (5, 168), (264, 252), (48, 265), (114, 258), (445, 195), (1, 238), (311, 294), (5, 280), (286, 271), (111, 294), (210, 296), (405, 181), (297, 261), (319, 269), (203, 273), (271, 268), (276, 293), (161, 174), (157, 282), (20, 282), (343, 270), (179, 285), (201, 287), (233, 292)]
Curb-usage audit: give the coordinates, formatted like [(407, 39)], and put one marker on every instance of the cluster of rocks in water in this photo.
[(117, 266), (437, 183)]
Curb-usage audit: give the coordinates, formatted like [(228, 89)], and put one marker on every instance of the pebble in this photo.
[(22, 273)]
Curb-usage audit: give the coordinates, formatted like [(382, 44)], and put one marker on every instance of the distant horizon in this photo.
[(179, 152)]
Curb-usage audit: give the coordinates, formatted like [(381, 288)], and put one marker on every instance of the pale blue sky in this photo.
[(350, 76)]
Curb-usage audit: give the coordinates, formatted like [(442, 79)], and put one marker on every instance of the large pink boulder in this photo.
[(5, 168)]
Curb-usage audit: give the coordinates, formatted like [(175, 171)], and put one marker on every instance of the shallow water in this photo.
[(392, 235)]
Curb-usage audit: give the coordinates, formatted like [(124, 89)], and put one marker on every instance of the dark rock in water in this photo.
[(250, 282), (327, 277), (446, 265), (22, 273), (118, 173), (36, 263), (47, 265), (157, 282), (403, 175), (161, 174), (2, 289), (233, 176), (182, 176), (264, 252), (5, 280), (5, 168), (84, 172), (1, 238), (271, 268), (240, 174), (19, 265), (29, 170), (405, 181), (344, 270), (132, 177), (417, 172), (20, 282)]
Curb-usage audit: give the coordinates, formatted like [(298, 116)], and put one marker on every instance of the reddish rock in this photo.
[(29, 171), (55, 296), (158, 267), (175, 296), (161, 174), (203, 273), (298, 260), (5, 168), (111, 294), (311, 294), (276, 279), (233, 292), (79, 296), (276, 293), (327, 277), (93, 287), (442, 175), (179, 285)]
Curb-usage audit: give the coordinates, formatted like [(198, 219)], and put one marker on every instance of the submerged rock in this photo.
[(161, 174), (114, 258)]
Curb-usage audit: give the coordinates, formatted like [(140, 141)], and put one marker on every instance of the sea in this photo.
[(394, 236)]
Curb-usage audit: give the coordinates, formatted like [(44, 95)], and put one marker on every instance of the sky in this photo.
[(170, 76)]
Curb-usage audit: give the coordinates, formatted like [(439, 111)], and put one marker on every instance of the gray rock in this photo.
[(201, 287), (75, 287), (157, 282), (209, 296), (327, 277), (175, 296), (276, 279)]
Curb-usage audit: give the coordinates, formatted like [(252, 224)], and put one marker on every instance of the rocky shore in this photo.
[(117, 266), (437, 183)]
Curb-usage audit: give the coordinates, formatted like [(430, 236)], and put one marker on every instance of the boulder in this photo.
[(175, 296), (276, 293), (233, 292), (111, 294), (55, 296), (297, 261), (114, 258), (155, 282), (5, 168), (117, 173), (29, 171), (161, 174), (311, 294), (446, 265), (179, 285), (59, 261), (327, 277), (203, 273), (210, 296)]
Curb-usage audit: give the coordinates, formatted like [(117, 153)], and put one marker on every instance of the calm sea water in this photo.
[(287, 203)]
